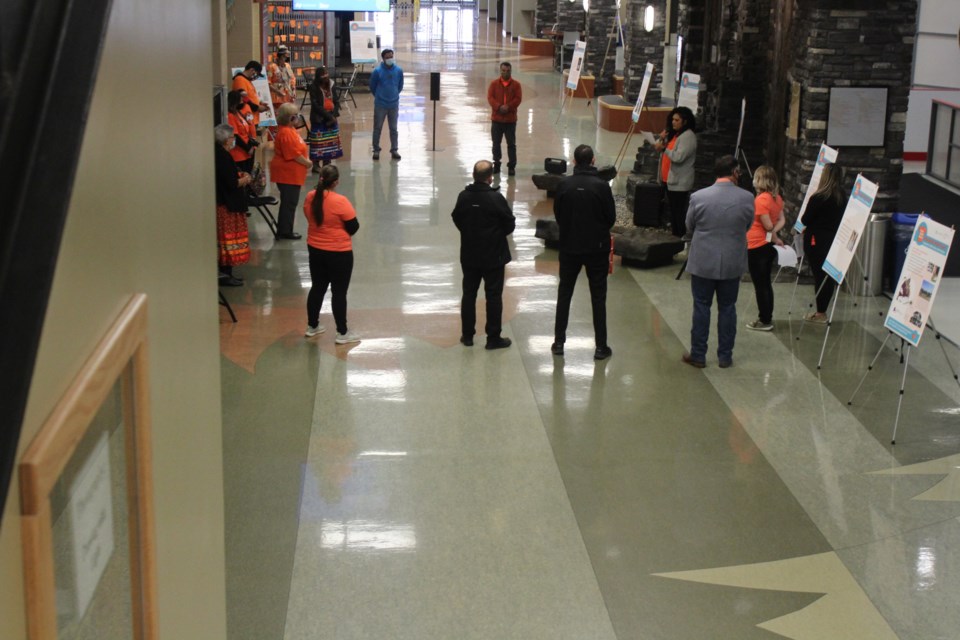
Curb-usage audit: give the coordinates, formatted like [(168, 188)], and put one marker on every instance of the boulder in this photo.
[(646, 248)]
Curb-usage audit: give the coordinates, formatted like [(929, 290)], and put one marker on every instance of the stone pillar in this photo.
[(546, 15), (570, 16), (840, 43), (601, 48), (641, 47)]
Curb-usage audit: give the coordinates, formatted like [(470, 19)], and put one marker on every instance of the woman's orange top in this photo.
[(329, 236), (245, 130), (765, 203), (287, 146), (665, 160)]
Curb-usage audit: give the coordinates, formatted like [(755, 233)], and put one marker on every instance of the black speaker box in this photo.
[(556, 166), (434, 85), (646, 204)]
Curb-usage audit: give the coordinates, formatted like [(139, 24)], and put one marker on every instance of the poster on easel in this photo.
[(644, 86), (262, 87), (827, 155), (363, 42), (689, 90), (919, 280), (576, 65), (850, 233)]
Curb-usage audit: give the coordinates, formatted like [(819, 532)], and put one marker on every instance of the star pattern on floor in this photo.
[(947, 490), (844, 611)]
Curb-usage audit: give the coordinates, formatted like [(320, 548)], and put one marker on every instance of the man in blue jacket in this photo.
[(386, 83), (484, 219), (585, 212)]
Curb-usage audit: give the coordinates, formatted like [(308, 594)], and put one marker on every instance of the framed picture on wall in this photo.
[(857, 117), (87, 501)]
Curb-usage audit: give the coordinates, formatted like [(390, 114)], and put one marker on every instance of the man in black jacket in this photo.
[(585, 212), (484, 219)]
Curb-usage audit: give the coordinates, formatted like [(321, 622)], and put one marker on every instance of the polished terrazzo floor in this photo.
[(409, 487)]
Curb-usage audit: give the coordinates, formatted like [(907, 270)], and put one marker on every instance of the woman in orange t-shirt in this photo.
[(761, 236), (288, 168), (331, 221), (244, 130)]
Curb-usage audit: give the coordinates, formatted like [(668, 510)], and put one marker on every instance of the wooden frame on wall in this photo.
[(95, 444)]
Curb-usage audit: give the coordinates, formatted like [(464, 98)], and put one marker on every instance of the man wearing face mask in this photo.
[(386, 83), (283, 84), (243, 82), (504, 96)]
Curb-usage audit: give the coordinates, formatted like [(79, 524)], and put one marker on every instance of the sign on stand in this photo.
[(644, 86), (922, 270), (852, 224), (576, 65), (363, 43), (827, 155), (689, 89), (262, 87)]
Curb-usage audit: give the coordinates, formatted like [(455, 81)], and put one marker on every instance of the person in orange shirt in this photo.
[(331, 223), (768, 219), (288, 168), (283, 84), (243, 81), (504, 95), (245, 132)]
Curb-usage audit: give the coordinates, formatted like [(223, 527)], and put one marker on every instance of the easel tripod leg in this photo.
[(903, 382)]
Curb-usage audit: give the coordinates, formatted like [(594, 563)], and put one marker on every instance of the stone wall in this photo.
[(546, 15), (870, 44), (570, 16), (641, 47), (601, 49)]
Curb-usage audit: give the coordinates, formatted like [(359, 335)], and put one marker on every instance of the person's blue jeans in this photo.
[(379, 113), (704, 290)]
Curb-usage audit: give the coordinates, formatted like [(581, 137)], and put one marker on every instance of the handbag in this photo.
[(258, 180)]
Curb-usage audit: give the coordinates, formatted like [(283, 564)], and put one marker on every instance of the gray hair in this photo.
[(222, 133)]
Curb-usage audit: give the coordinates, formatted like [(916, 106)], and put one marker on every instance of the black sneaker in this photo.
[(498, 343), (556, 348), (466, 341), (511, 171), (496, 167), (376, 155), (602, 353), (394, 155)]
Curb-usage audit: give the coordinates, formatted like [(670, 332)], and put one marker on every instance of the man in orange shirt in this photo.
[(243, 81), (504, 96)]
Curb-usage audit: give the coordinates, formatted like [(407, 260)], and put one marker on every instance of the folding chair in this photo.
[(346, 89), (569, 42), (223, 302), (307, 81), (262, 204)]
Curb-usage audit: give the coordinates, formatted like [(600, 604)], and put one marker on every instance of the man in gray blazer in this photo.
[(717, 219)]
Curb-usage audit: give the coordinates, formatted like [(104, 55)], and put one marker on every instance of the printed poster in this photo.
[(852, 224), (827, 155), (644, 86), (576, 65), (689, 89), (262, 87), (363, 43), (919, 280)]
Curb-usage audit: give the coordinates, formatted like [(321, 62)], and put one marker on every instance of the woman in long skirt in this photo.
[(324, 138)]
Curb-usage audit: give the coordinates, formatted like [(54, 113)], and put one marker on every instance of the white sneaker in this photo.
[(346, 338), (314, 331)]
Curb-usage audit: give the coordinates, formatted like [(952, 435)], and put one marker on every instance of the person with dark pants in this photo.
[(821, 219), (678, 144), (585, 212), (484, 219), (288, 169), (761, 237), (386, 83), (718, 219), (331, 223), (504, 95)]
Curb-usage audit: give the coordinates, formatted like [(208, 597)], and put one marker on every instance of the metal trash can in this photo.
[(870, 254), (902, 231)]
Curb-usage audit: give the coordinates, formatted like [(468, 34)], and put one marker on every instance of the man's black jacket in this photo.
[(585, 211), (484, 219)]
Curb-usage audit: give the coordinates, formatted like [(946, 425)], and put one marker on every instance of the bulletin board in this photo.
[(857, 117)]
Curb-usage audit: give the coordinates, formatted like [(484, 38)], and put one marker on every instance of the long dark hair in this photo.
[(320, 78), (328, 176), (831, 183), (689, 122), (234, 100)]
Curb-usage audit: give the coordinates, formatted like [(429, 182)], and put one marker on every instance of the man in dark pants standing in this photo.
[(585, 212), (484, 219), (504, 95)]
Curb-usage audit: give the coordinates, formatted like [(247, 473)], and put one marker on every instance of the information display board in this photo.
[(852, 224), (827, 155), (363, 43), (644, 87), (576, 65), (689, 89), (919, 280)]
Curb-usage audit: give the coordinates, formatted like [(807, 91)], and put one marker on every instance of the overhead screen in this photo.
[(341, 5)]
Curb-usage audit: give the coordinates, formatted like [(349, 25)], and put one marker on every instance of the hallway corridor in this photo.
[(410, 487)]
